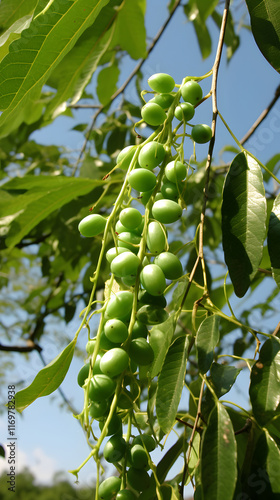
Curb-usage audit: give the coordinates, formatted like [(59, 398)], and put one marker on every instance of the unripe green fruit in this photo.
[(175, 171), (101, 387), (161, 82), (153, 279), (114, 427), (142, 179), (120, 305), (151, 155), (113, 252), (125, 400), (130, 217), (96, 367), (98, 408), (153, 114), (116, 331), (201, 133), (83, 374), (105, 343), (109, 487), (159, 196), (114, 449), (125, 495), (146, 440), (125, 264), (139, 330), (184, 111), (92, 225), (129, 280), (151, 315), (138, 456), (166, 211), (114, 362), (163, 100), (145, 197), (141, 352), (130, 241), (169, 191), (125, 156), (191, 92), (146, 298), (156, 237), (170, 265), (139, 480), (90, 346)]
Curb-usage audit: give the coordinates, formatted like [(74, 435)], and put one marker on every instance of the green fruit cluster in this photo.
[(141, 266)]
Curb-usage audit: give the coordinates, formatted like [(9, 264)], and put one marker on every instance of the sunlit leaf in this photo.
[(160, 339), (107, 83), (243, 221), (130, 31), (12, 10), (47, 380), (207, 338)]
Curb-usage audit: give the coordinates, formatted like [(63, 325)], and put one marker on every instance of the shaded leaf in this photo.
[(265, 25), (272, 463), (170, 458), (43, 196), (60, 26), (201, 30), (2, 451), (243, 221), (107, 83), (265, 381), (206, 340), (232, 40), (218, 456), (12, 33), (47, 380), (160, 339), (273, 240), (223, 378), (170, 383)]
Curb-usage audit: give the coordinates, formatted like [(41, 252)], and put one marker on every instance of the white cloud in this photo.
[(40, 465)]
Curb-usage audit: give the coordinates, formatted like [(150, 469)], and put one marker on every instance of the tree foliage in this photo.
[(59, 55)]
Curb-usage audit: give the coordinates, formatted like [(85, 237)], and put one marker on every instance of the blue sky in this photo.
[(49, 438)]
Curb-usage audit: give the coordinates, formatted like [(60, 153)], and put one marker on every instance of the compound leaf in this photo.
[(243, 221), (218, 456), (47, 380), (265, 381)]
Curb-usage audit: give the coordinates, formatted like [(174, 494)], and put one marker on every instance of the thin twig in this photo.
[(262, 116), (277, 329), (31, 346), (212, 142), (127, 81)]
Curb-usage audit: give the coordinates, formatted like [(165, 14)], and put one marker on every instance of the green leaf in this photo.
[(206, 340), (60, 26), (84, 57), (43, 195), (160, 339), (223, 378), (265, 25), (12, 33), (107, 83), (218, 456), (265, 381), (273, 240), (273, 463), (243, 221), (130, 31), (47, 380), (201, 30), (170, 383), (12, 10), (2, 451), (170, 458)]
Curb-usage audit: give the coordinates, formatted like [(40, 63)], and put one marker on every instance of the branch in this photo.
[(262, 116), (31, 346), (127, 81)]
